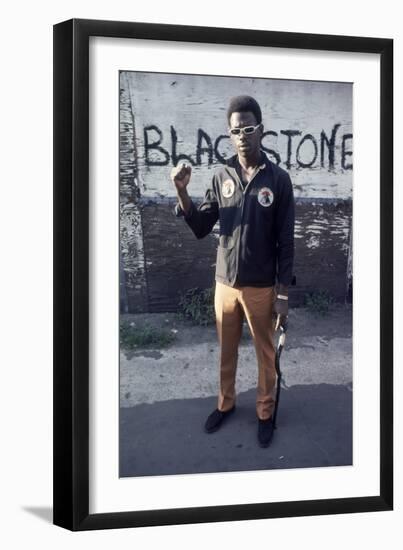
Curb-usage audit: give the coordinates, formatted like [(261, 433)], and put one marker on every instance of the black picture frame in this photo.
[(71, 274)]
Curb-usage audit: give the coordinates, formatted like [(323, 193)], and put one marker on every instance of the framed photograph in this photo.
[(223, 236)]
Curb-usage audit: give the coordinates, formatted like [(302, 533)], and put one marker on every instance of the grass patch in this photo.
[(197, 305), (319, 302), (146, 336)]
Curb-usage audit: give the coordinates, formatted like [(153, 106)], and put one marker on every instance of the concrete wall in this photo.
[(167, 118)]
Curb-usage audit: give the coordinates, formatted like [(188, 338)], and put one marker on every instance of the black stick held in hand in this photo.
[(281, 342)]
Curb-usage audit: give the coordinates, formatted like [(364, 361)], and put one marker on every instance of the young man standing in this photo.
[(253, 200)]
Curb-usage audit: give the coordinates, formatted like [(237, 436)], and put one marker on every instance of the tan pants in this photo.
[(256, 304)]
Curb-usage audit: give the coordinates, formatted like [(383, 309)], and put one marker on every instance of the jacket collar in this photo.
[(233, 161)]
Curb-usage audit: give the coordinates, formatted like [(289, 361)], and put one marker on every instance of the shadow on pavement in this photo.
[(314, 430)]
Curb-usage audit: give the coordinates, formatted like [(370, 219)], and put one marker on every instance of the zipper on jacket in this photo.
[(244, 190)]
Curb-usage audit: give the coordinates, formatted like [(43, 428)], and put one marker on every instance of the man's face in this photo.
[(246, 145)]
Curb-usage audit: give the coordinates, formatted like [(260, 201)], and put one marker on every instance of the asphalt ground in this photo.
[(314, 430)]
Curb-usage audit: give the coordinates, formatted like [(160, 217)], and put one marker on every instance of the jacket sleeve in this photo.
[(285, 220), (201, 220)]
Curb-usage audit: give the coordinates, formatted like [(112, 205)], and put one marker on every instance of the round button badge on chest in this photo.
[(265, 196), (228, 188)]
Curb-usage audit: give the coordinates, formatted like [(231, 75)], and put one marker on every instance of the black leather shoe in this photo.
[(265, 432), (215, 420)]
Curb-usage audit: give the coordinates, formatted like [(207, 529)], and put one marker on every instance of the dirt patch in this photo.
[(302, 325)]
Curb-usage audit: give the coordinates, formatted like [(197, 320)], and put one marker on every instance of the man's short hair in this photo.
[(243, 104)]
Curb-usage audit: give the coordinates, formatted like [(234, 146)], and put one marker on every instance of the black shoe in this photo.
[(215, 420), (265, 432)]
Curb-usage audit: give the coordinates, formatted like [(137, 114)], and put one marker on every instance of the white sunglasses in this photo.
[(247, 130)]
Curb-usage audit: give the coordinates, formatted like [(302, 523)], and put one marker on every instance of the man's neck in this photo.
[(249, 163)]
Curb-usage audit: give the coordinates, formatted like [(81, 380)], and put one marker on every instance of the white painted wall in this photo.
[(191, 102)]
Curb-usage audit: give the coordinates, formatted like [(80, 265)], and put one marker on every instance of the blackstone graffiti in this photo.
[(304, 151)]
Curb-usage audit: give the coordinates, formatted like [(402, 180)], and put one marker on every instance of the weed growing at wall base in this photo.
[(197, 306), (132, 336), (319, 302)]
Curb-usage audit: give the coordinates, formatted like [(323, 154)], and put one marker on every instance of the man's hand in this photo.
[(280, 312), (280, 307), (180, 175)]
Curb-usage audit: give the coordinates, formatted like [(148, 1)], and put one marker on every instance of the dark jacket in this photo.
[(256, 243)]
